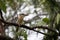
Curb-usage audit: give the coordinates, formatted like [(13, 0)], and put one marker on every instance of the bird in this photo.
[(20, 19)]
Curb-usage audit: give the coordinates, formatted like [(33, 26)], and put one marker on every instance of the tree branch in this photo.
[(45, 27), (5, 38), (23, 26), (1, 14)]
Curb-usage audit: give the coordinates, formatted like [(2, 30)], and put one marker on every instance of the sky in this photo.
[(35, 36), (31, 36)]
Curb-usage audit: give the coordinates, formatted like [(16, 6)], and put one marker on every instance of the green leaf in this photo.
[(58, 18), (40, 23), (25, 35), (46, 20), (3, 6), (12, 4)]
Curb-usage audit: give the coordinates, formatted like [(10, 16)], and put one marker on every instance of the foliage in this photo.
[(46, 20), (52, 7), (49, 6), (3, 5), (11, 3)]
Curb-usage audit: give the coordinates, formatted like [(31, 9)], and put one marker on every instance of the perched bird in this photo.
[(20, 19)]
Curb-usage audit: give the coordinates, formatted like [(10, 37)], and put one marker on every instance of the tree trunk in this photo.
[(2, 31)]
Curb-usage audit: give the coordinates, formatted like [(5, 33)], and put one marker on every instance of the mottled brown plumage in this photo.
[(20, 19)]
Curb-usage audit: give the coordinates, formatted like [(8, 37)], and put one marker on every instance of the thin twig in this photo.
[(45, 27)]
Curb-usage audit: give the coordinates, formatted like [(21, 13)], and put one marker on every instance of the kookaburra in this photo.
[(20, 20)]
